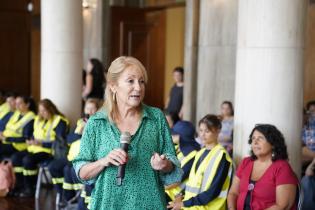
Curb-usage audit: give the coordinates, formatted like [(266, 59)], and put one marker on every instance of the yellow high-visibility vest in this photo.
[(200, 180), (74, 150), (4, 109), (44, 131), (14, 128), (172, 192), (79, 127)]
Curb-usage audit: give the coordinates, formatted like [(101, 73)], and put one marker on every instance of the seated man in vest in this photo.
[(63, 175), (183, 134), (19, 127), (49, 125), (210, 175)]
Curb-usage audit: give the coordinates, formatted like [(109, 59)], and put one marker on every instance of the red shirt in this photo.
[(264, 192)]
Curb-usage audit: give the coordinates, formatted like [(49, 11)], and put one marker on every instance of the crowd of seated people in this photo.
[(260, 180), (27, 138), (63, 175)]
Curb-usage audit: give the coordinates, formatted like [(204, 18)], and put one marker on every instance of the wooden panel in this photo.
[(309, 70), (35, 51), (141, 33), (13, 5), (14, 46), (35, 58)]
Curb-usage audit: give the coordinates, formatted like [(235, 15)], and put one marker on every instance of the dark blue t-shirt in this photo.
[(176, 100)]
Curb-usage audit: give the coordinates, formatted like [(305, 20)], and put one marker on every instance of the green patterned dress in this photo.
[(143, 187)]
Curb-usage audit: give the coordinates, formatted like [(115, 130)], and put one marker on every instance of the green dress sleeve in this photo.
[(86, 154), (167, 148)]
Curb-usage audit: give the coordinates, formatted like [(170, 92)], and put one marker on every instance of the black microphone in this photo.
[(124, 143)]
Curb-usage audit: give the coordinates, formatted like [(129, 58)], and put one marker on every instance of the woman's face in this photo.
[(21, 105), (260, 146), (130, 87), (207, 136), (43, 112), (90, 109), (89, 67), (11, 102), (225, 110)]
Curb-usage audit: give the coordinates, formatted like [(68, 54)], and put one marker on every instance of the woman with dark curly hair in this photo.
[(264, 180)]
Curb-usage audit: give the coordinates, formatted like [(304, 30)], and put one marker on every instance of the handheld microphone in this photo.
[(124, 143)]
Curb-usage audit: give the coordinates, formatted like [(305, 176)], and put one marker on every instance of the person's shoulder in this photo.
[(152, 112), (98, 121), (245, 162), (281, 164), (283, 172), (99, 115)]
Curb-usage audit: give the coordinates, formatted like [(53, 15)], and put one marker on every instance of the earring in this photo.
[(273, 155)]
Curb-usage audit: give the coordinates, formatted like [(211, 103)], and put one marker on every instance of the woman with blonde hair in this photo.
[(150, 163)]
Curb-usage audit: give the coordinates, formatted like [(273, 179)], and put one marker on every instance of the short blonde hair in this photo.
[(116, 68)]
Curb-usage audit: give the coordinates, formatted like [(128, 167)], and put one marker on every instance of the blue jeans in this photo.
[(308, 187)]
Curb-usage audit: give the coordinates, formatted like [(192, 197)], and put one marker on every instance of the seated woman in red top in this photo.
[(264, 180)]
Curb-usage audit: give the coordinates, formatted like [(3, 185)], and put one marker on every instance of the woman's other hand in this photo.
[(161, 163), (38, 143), (176, 205), (1, 136), (29, 141)]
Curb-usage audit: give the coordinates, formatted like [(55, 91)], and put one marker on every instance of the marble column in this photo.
[(216, 55), (61, 55), (269, 73), (190, 58), (93, 33)]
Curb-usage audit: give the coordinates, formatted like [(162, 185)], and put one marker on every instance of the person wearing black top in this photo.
[(174, 103), (94, 80)]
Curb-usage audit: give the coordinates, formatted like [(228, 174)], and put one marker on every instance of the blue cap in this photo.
[(185, 129)]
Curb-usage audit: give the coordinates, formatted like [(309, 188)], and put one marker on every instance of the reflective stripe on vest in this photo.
[(4, 109), (28, 172), (87, 199), (14, 127), (184, 160), (72, 186), (187, 158), (18, 169), (200, 180), (83, 193), (57, 180)]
